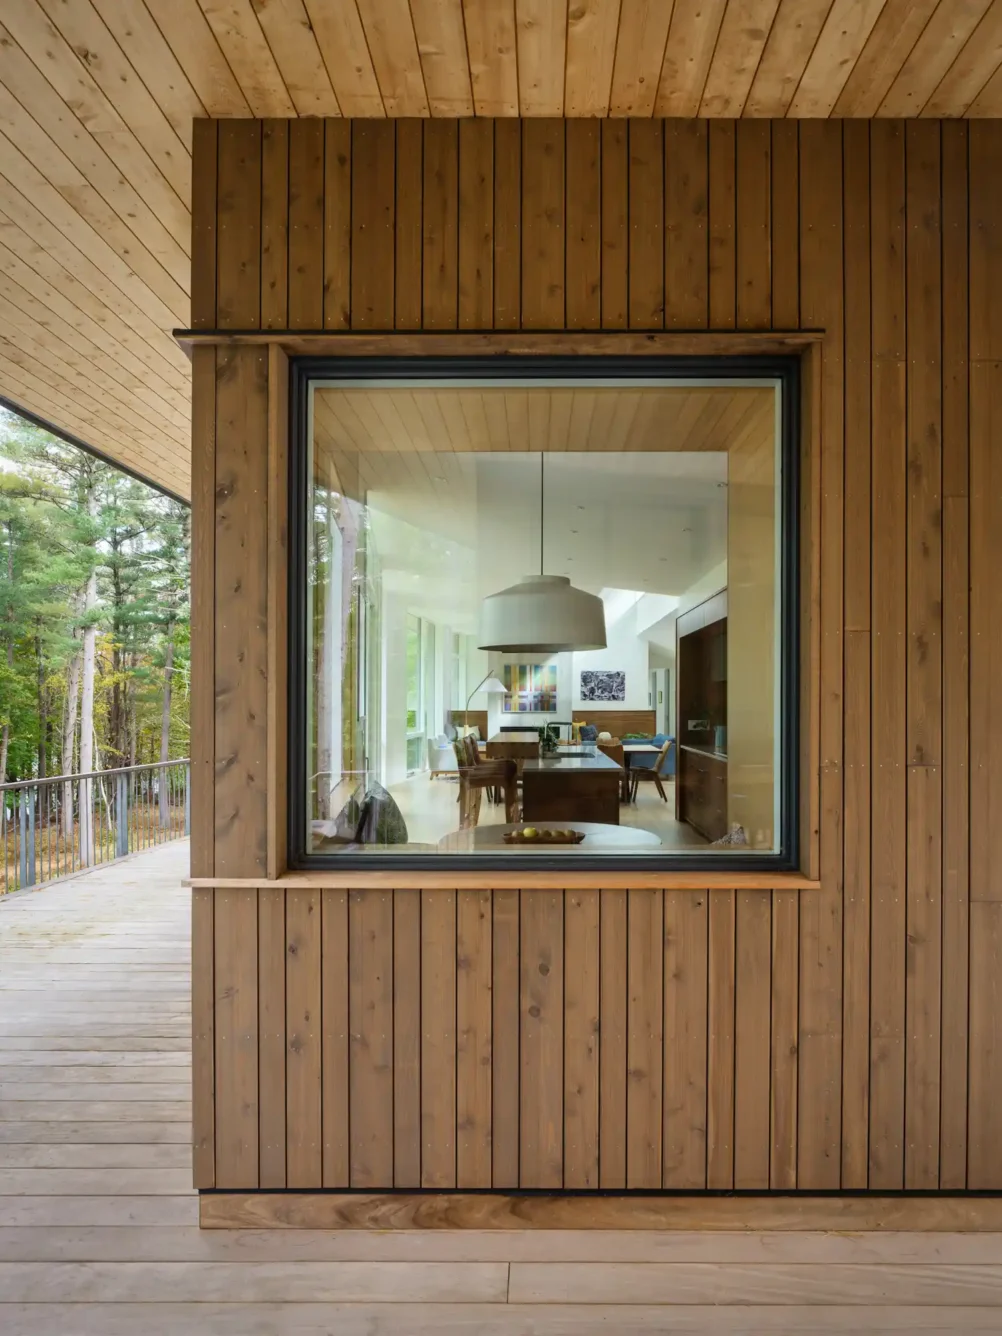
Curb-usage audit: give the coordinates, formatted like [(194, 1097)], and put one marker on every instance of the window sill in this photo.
[(434, 880)]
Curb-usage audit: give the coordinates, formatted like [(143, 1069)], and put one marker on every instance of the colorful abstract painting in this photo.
[(530, 688)]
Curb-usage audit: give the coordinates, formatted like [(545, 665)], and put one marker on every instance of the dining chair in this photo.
[(616, 752), (477, 774), (650, 774)]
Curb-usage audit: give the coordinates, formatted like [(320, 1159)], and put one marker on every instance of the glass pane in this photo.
[(659, 499)]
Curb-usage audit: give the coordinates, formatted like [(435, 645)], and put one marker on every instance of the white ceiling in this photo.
[(654, 523)]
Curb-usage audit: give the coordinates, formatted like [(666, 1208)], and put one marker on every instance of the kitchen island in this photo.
[(567, 788)]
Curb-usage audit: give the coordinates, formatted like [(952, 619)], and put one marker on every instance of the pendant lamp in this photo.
[(542, 614)]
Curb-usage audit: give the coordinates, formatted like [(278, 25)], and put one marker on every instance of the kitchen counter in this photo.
[(563, 764), (571, 789), (704, 751)]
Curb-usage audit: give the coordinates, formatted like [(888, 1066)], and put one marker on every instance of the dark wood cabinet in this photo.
[(701, 674), (702, 792)]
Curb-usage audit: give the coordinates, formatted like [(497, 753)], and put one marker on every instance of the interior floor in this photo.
[(431, 810)]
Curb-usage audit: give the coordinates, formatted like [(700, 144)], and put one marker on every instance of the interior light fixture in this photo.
[(542, 614), (491, 683)]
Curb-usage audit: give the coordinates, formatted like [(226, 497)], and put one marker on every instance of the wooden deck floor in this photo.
[(97, 1219)]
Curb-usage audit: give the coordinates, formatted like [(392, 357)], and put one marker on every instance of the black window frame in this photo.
[(304, 371)]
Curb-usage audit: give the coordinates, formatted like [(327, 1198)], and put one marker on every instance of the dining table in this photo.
[(598, 837)]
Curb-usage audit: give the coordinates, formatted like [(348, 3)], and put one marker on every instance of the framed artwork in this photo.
[(530, 688), (603, 686)]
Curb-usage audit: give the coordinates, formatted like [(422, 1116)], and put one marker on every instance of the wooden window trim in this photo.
[(807, 344)]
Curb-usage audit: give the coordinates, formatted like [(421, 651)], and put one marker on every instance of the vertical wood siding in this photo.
[(848, 1038)]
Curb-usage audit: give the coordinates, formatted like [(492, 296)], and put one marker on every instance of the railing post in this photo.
[(84, 817), (121, 816), (187, 800), (31, 837), (23, 861)]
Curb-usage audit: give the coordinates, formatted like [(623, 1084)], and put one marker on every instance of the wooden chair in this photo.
[(649, 774), (615, 752), (477, 774)]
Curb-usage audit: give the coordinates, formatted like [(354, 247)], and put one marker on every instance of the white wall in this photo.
[(393, 675), (626, 652)]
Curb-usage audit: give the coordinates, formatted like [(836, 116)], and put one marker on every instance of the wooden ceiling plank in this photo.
[(491, 43), (294, 46), (389, 31), (741, 41), (451, 413), (26, 25), (144, 45), (34, 402), (892, 40), (45, 343), (186, 31), (445, 62), (166, 270), (341, 38), (150, 443), (640, 53), (692, 39), (21, 138), (592, 28), (31, 312), (40, 381), (843, 37), (168, 237), (413, 425), (988, 103), (32, 399), (541, 37), (246, 48), (426, 401), (68, 270), (477, 428), (973, 68), (50, 310), (155, 443), (932, 55), (52, 220), (37, 296), (795, 30), (497, 422), (382, 405), (94, 47), (538, 404)]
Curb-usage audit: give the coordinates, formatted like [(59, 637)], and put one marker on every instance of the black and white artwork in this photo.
[(597, 685)]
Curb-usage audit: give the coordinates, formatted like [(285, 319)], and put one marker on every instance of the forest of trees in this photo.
[(94, 629)]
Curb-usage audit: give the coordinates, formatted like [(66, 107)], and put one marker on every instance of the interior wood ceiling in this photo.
[(373, 439), (97, 99)]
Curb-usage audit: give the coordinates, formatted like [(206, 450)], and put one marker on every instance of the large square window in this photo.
[(544, 611)]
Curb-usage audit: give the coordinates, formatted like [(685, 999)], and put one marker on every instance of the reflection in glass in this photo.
[(661, 498)]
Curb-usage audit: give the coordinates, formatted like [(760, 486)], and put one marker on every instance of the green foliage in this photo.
[(63, 516)]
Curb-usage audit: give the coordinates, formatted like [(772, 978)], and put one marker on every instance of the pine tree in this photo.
[(94, 652)]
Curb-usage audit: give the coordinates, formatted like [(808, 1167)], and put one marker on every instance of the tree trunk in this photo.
[(5, 734), (69, 740), (165, 727), (43, 707), (117, 713), (87, 706)]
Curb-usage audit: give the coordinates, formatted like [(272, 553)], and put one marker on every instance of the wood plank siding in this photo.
[(661, 1037)]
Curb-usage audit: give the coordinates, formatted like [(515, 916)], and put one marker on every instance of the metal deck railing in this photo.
[(53, 827)]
